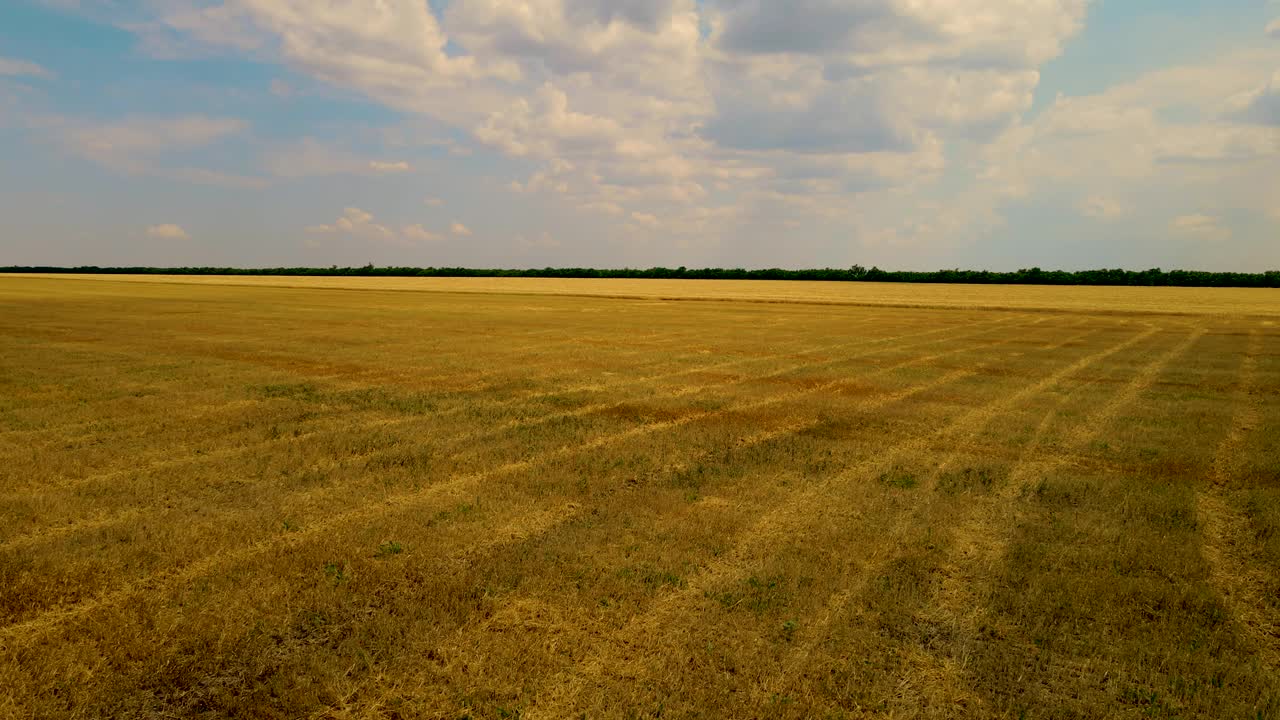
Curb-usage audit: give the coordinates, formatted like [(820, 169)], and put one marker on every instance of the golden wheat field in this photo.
[(360, 498)]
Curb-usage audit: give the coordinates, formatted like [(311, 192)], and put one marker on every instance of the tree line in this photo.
[(857, 273)]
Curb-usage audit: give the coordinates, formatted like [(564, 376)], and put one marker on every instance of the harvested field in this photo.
[(1161, 300), (366, 498)]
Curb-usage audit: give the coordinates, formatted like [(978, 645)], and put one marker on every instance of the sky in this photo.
[(906, 134)]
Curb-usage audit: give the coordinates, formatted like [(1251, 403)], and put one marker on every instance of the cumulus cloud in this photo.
[(167, 231), (361, 224), (894, 69), (1273, 29), (855, 120), (417, 232), (355, 223), (687, 117), (15, 68), (647, 220), (802, 27), (827, 98), (1101, 207), (1160, 130), (650, 105), (1261, 106), (1200, 227), (872, 33), (393, 49), (460, 230), (399, 166), (547, 127), (571, 36)]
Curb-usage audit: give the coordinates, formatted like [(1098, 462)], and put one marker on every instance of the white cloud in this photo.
[(394, 49), (16, 68), (127, 143), (281, 89), (355, 223), (399, 166), (547, 127), (1260, 106), (875, 75), (901, 32), (417, 232), (459, 229), (1273, 29), (188, 30), (361, 224), (1200, 227), (1101, 207), (652, 106), (1167, 133), (167, 231), (568, 37), (148, 146), (866, 108), (645, 219), (885, 123), (432, 201), (310, 157)]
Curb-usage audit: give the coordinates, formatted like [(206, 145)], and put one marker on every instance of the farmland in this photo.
[(363, 498)]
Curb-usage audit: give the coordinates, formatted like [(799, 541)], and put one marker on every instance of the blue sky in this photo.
[(922, 134)]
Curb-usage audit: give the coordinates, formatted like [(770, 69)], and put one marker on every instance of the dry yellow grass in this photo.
[(264, 497), (1163, 300)]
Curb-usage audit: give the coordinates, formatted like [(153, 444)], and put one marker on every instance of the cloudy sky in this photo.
[(796, 133)]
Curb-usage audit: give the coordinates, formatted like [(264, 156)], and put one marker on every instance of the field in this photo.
[(352, 498)]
